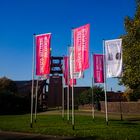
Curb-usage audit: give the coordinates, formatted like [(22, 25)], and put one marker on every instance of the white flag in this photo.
[(76, 75), (113, 57)]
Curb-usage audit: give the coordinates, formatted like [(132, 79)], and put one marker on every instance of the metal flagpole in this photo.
[(68, 112), (68, 108), (32, 91), (36, 97), (72, 101), (105, 88), (62, 98), (72, 82), (93, 111)]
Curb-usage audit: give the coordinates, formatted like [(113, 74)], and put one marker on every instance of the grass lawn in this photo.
[(128, 129)]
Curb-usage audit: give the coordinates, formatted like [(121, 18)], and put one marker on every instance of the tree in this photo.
[(86, 96), (7, 85), (131, 52), (10, 101)]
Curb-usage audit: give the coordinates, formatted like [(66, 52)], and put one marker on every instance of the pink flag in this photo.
[(43, 54), (72, 82), (98, 68), (66, 72), (66, 69), (81, 47)]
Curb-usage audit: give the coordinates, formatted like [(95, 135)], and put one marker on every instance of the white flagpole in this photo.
[(68, 108), (62, 98), (32, 91), (36, 97), (93, 111), (72, 101), (105, 88), (68, 111), (72, 82)]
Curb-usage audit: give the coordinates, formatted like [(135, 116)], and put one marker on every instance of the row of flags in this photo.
[(111, 60), (106, 65), (78, 59)]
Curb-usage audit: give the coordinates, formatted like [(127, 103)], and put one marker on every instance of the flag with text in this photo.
[(98, 68), (43, 54), (81, 48)]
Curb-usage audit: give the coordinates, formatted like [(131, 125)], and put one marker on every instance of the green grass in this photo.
[(128, 129)]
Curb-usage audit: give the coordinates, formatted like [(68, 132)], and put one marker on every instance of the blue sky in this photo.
[(21, 18)]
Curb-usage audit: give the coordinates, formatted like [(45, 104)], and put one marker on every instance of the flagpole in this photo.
[(36, 97), (68, 112), (72, 103), (62, 98), (105, 88), (93, 111), (32, 91), (72, 82)]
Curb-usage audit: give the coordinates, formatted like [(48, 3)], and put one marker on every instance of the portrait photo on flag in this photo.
[(113, 58)]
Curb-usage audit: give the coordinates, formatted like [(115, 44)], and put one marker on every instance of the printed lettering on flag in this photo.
[(66, 69), (43, 54), (98, 68), (81, 48)]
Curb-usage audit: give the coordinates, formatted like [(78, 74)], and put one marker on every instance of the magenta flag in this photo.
[(66, 69), (72, 82), (43, 54), (98, 68), (81, 48), (66, 72)]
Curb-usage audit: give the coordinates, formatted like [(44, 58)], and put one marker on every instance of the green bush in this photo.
[(13, 104), (132, 94), (86, 96), (10, 101)]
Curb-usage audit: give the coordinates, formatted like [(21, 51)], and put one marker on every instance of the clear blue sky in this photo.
[(19, 19)]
